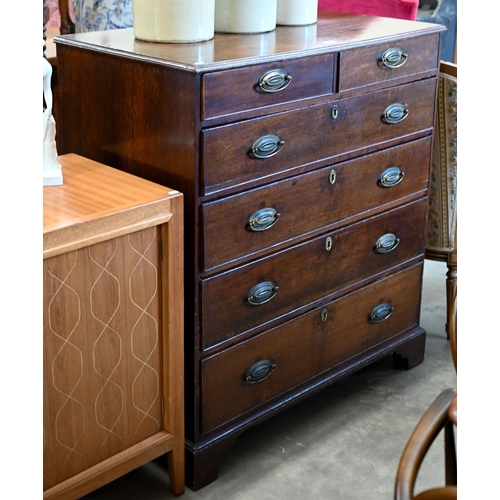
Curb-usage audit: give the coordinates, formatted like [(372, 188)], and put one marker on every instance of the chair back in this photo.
[(442, 216)]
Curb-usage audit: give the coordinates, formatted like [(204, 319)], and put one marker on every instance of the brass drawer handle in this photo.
[(381, 313), (393, 58), (263, 219), (395, 113), (267, 146), (259, 371), (390, 177), (275, 80), (386, 243), (262, 293)]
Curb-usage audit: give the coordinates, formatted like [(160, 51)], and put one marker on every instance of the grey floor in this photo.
[(343, 443)]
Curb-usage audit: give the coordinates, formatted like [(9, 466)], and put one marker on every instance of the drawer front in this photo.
[(389, 61), (252, 150), (251, 295), (307, 346), (262, 85), (240, 225)]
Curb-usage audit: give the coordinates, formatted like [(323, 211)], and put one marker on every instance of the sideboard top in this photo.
[(332, 32), (97, 203)]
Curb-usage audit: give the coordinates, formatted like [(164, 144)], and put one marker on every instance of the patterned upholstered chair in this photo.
[(99, 15), (441, 243), (399, 9)]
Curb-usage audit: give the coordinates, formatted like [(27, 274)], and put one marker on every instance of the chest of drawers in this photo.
[(303, 156)]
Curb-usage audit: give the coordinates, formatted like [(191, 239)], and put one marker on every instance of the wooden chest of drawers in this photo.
[(303, 155)]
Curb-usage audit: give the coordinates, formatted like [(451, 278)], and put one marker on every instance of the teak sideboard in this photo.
[(112, 328), (303, 156)]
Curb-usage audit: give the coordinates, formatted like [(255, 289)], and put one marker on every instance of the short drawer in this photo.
[(230, 91), (241, 225), (253, 372), (252, 150), (251, 295), (379, 63)]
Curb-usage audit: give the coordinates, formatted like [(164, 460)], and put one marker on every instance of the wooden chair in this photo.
[(441, 242), (67, 25), (441, 415)]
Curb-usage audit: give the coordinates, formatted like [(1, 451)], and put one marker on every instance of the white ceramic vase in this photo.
[(297, 12), (174, 21), (245, 16)]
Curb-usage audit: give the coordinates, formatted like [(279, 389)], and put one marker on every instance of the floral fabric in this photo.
[(55, 17), (100, 15), (442, 216)]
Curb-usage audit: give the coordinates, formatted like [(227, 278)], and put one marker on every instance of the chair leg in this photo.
[(451, 292), (67, 25), (450, 455)]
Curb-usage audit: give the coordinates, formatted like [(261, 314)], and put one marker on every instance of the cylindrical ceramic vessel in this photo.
[(245, 16), (297, 12), (174, 21)]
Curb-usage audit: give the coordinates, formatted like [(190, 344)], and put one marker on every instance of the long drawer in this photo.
[(252, 150), (251, 295), (241, 225), (249, 374)]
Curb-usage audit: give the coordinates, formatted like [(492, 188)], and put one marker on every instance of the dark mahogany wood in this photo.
[(307, 346), (228, 238), (361, 67), (226, 92), (410, 354), (357, 125), (186, 116), (307, 272)]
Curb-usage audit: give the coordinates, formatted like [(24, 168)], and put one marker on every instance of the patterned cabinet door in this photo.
[(102, 352)]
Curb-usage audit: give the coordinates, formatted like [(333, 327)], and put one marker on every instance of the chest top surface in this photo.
[(332, 32)]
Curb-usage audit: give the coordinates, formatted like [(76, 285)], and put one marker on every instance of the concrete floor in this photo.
[(342, 443)]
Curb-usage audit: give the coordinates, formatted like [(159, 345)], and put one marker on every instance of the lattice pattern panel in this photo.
[(102, 352)]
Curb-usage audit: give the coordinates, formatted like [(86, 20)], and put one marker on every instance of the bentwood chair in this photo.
[(441, 240), (441, 415)]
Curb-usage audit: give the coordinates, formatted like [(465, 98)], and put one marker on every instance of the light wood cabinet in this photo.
[(113, 328)]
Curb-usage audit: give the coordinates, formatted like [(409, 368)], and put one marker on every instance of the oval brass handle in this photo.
[(393, 58), (275, 80), (263, 219), (267, 146), (391, 177), (262, 293), (259, 371), (386, 243), (395, 113), (381, 312)]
